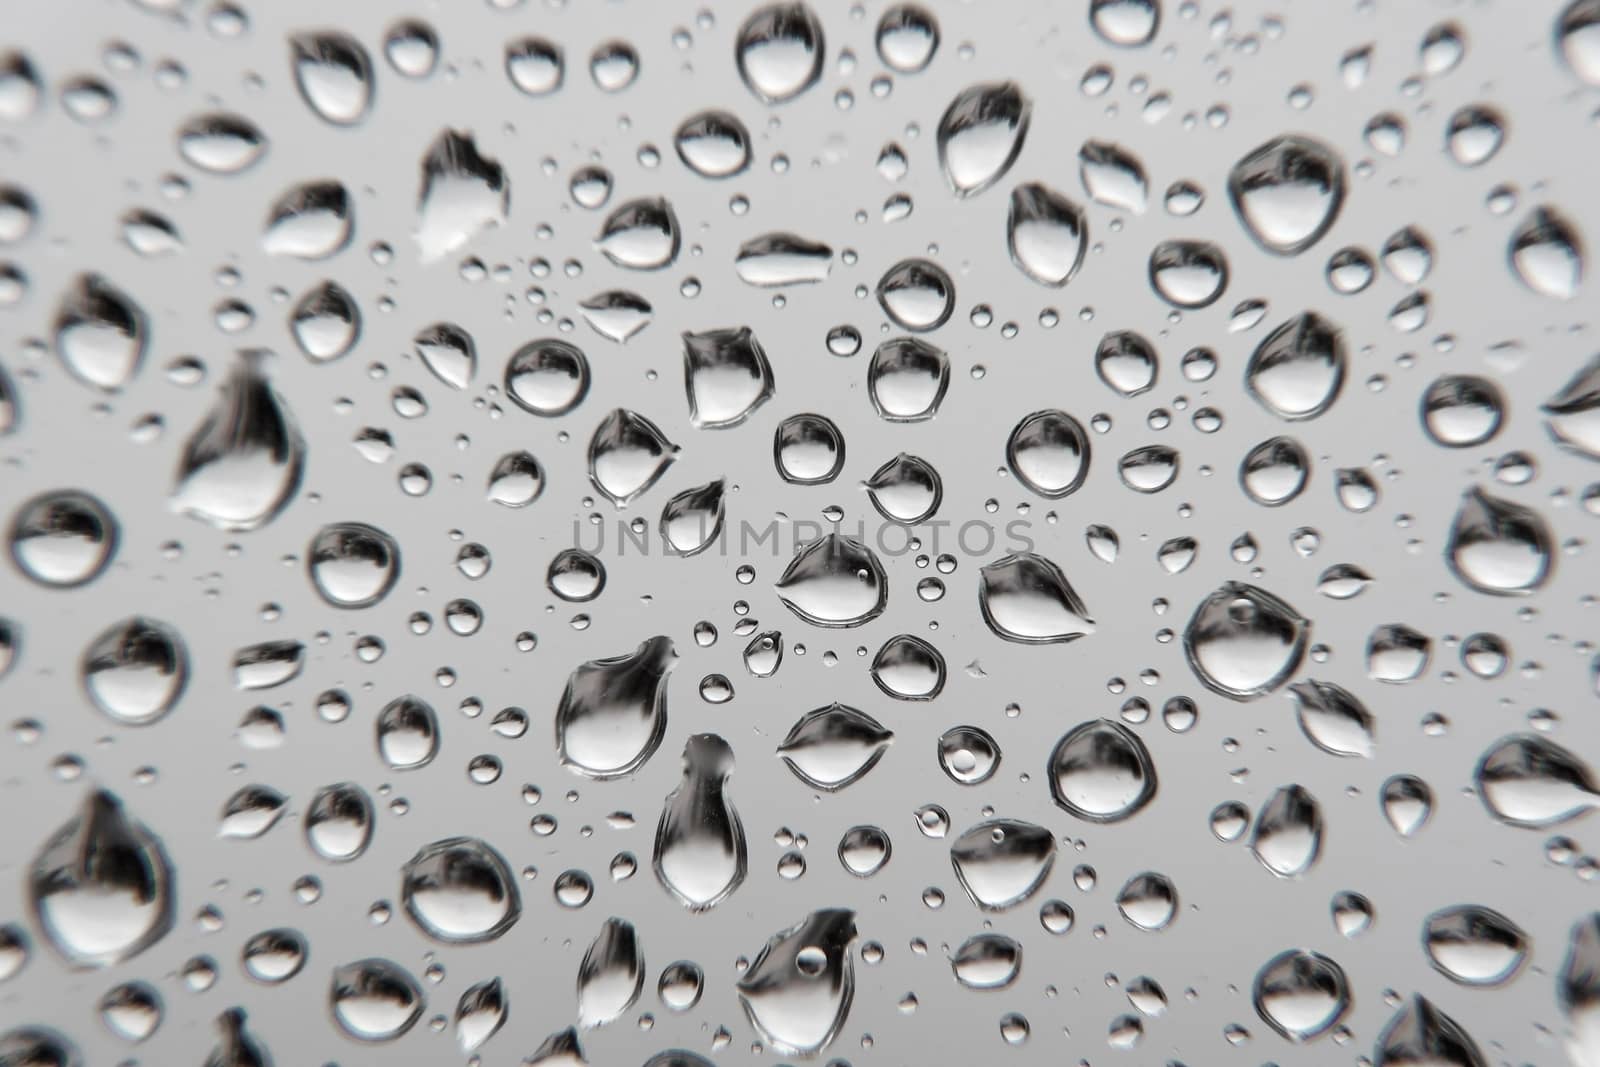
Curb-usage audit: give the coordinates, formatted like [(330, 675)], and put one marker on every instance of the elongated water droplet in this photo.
[(1244, 642), (1474, 945), (1125, 23), (907, 379), (1002, 862), (611, 975), (808, 450), (1288, 833), (463, 193), (1026, 598), (1188, 274), (1046, 233), (987, 961), (1333, 719), (617, 314), (1420, 1035), (460, 891), (700, 851), (627, 455), (777, 259), (779, 51), (268, 664), (691, 521), (221, 143), (251, 812), (834, 581), (797, 992), (727, 376), (63, 538), (1578, 982), (641, 235), (1301, 994), (480, 1013), (334, 74), (310, 221), (339, 822), (1113, 176), (1499, 547), (101, 887), (36, 1046), (448, 352), (917, 295), (1288, 192), (613, 711), (243, 463), (830, 747), (981, 133), (1573, 414), (1529, 781), (375, 1000)]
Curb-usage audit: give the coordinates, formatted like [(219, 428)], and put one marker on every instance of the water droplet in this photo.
[(1113, 176), (221, 143), (1333, 719), (309, 221), (535, 65), (777, 259), (1301, 994), (375, 1000), (1288, 192), (700, 851), (908, 668), (448, 352), (917, 295), (905, 490), (135, 670), (641, 235), (1578, 982), (830, 747), (1046, 233), (101, 887), (617, 314), (907, 379), (727, 376), (339, 822), (412, 48), (613, 711), (1149, 469), (1026, 598), (463, 193), (1499, 547), (863, 850), (547, 377), (1529, 781), (243, 462), (1148, 901), (1188, 274), (1002, 862), (1546, 254), (808, 450), (408, 733), (713, 144), (627, 455), (63, 538), (353, 565), (1126, 362), (575, 575), (1244, 642), (131, 1011), (614, 65), (834, 581), (1397, 654), (1473, 945), (480, 1013), (36, 1046), (968, 755), (274, 956), (680, 985), (981, 133), (460, 891), (334, 75), (325, 322), (1297, 370), (1275, 471), (1407, 803), (101, 334), (1288, 834), (692, 520), (1420, 1035), (779, 51), (1461, 410), (987, 961), (251, 812), (1125, 23), (798, 989), (1573, 414), (268, 664)]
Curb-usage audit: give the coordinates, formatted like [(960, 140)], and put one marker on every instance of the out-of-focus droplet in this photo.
[(981, 134), (1462, 410), (1474, 945), (1499, 547), (1546, 254), (1578, 982), (274, 956), (268, 664), (101, 334), (63, 538), (251, 812), (243, 462), (221, 143), (1407, 803), (1573, 414), (130, 1010), (535, 65), (310, 221), (1474, 134), (1125, 23), (480, 1013), (1002, 862), (334, 75), (1288, 192), (135, 670), (325, 322), (1113, 176), (700, 852), (1275, 471), (339, 822), (830, 747), (613, 711), (1420, 1035), (611, 976), (375, 1000), (412, 48)]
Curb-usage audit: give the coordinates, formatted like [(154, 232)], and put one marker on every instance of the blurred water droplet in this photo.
[(339, 822), (536, 66), (611, 976), (221, 143), (1113, 176), (1546, 254), (1573, 414), (310, 221), (1499, 547), (1420, 1035), (463, 193), (243, 462), (907, 38)]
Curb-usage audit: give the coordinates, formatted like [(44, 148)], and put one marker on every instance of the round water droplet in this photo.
[(1188, 274), (353, 565), (1301, 994), (135, 670), (221, 143), (1125, 23), (987, 961), (1244, 642), (460, 891), (1499, 547), (808, 450), (1474, 945), (1148, 901), (1288, 192), (1275, 471), (1046, 233), (375, 1000), (334, 75), (535, 65), (63, 538), (713, 144), (547, 377), (917, 295), (1546, 254), (1149, 469), (863, 850), (968, 755), (1101, 772), (779, 50)]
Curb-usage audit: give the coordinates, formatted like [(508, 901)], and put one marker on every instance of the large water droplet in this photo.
[(905, 490), (460, 891), (1301, 994), (1529, 781), (1126, 362), (101, 888), (463, 193), (63, 538), (100, 332), (1546, 254), (987, 961), (1288, 192), (613, 711), (1244, 642), (1048, 451), (779, 50), (611, 976), (1578, 982), (309, 221), (575, 575), (37, 1046), (1148, 901), (798, 989), (334, 75), (1046, 233), (1333, 719), (700, 850), (830, 747), (536, 66), (908, 668), (981, 134), (1474, 945), (1002, 862), (274, 956), (243, 463), (1499, 547), (1297, 370), (1288, 833), (375, 1000), (727, 376), (617, 314), (1420, 1035), (641, 235), (251, 812), (627, 455), (1149, 469), (1026, 598), (325, 322), (777, 259), (412, 48), (131, 1011), (353, 565), (221, 143), (1461, 410), (834, 581), (136, 670), (1101, 772), (548, 377), (907, 379)]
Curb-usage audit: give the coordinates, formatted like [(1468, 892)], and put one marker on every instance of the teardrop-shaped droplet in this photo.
[(1546, 254), (463, 193), (334, 74), (691, 521), (1177, 553), (907, 38), (408, 733), (981, 134), (535, 65), (641, 235), (1407, 803), (613, 711), (834, 581), (907, 379), (548, 377), (1148, 901), (100, 333), (221, 143), (1046, 233), (713, 144), (1297, 370), (798, 989), (611, 976), (1100, 771), (325, 322), (1288, 833), (779, 51), (251, 812), (375, 1000), (480, 1013), (1578, 982), (1301, 994), (1288, 192), (1499, 547), (36, 1046), (700, 850), (1573, 414), (987, 961), (1126, 362), (274, 956), (309, 221), (778, 259), (808, 450), (1026, 598), (1149, 469), (1244, 642), (1474, 945), (917, 295), (908, 668), (1125, 23), (1002, 862), (863, 850), (1188, 274), (339, 822), (268, 664), (460, 891), (830, 747), (1420, 1035), (1275, 471), (1529, 781), (727, 376), (353, 565), (1113, 176), (1462, 410), (1333, 719), (1103, 542), (136, 670), (243, 463), (905, 490), (627, 454), (617, 314), (101, 888), (448, 352)]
